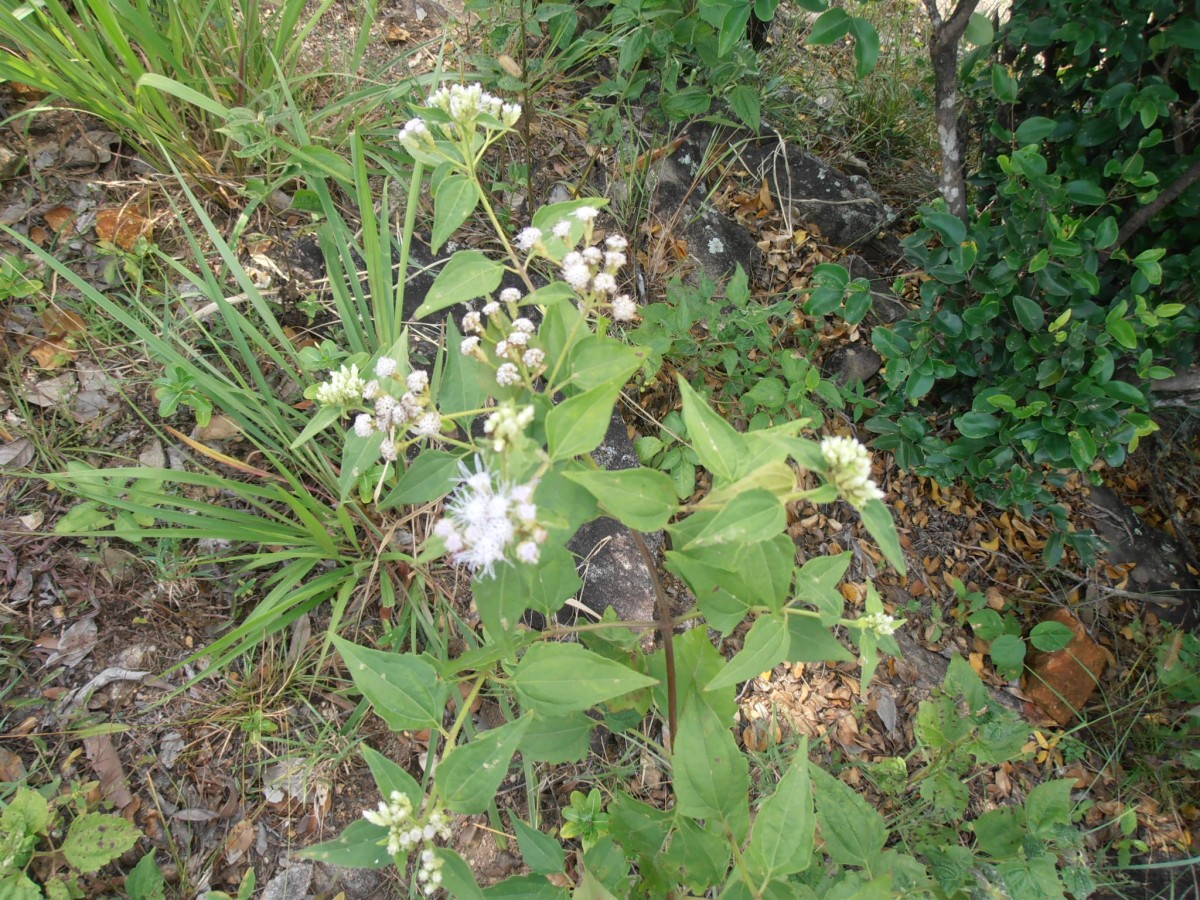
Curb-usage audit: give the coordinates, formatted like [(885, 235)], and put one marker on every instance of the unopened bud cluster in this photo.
[(467, 107), (510, 336), (406, 832), (850, 470), (880, 623), (401, 409), (489, 521)]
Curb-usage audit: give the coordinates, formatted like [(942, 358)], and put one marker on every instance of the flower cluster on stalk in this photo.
[(511, 337), (406, 832), (489, 521), (850, 470), (400, 408), (592, 271)]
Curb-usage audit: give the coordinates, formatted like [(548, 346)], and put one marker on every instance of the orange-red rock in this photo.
[(1060, 683)]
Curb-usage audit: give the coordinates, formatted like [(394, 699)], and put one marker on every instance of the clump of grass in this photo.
[(198, 84)]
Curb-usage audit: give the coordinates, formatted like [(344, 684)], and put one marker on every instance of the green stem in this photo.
[(410, 220)]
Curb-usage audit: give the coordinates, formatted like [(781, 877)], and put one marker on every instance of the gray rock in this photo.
[(613, 570), (290, 884), (355, 884)]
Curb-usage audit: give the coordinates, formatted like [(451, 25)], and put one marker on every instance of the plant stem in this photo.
[(666, 627)]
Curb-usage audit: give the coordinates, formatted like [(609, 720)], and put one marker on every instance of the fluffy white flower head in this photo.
[(483, 519), (528, 238), (850, 470), (624, 308)]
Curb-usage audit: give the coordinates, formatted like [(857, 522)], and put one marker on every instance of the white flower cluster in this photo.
[(405, 834), (510, 336), (593, 273), (343, 388), (411, 411), (487, 518), (850, 470), (880, 623)]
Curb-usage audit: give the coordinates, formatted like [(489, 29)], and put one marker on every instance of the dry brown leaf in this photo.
[(53, 353), (12, 767), (15, 455), (102, 754), (239, 842), (59, 218), (122, 226)]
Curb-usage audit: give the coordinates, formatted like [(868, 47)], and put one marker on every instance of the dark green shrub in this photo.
[(1047, 316)]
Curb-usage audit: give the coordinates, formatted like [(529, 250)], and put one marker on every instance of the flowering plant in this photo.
[(541, 372)]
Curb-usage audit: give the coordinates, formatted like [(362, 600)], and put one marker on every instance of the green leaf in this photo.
[(832, 25), (558, 740), (403, 688), (557, 679), (737, 291), (1122, 333), (817, 581), (1008, 655), (810, 641), (431, 476), (744, 102), (325, 417), (596, 360), (866, 45), (1185, 32), (96, 839), (854, 833), (469, 775), (755, 515), (389, 777), (362, 845), (1029, 313), (464, 380), (766, 646), (711, 777), (691, 101), (977, 424), (999, 832), (468, 274), (642, 499), (455, 200), (784, 829), (578, 425), (146, 880), (714, 440), (1086, 193), (1048, 807), (1125, 392), (27, 812), (950, 227), (1004, 86), (1034, 129), (359, 454), (878, 519), (458, 880), (540, 852), (979, 30)]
